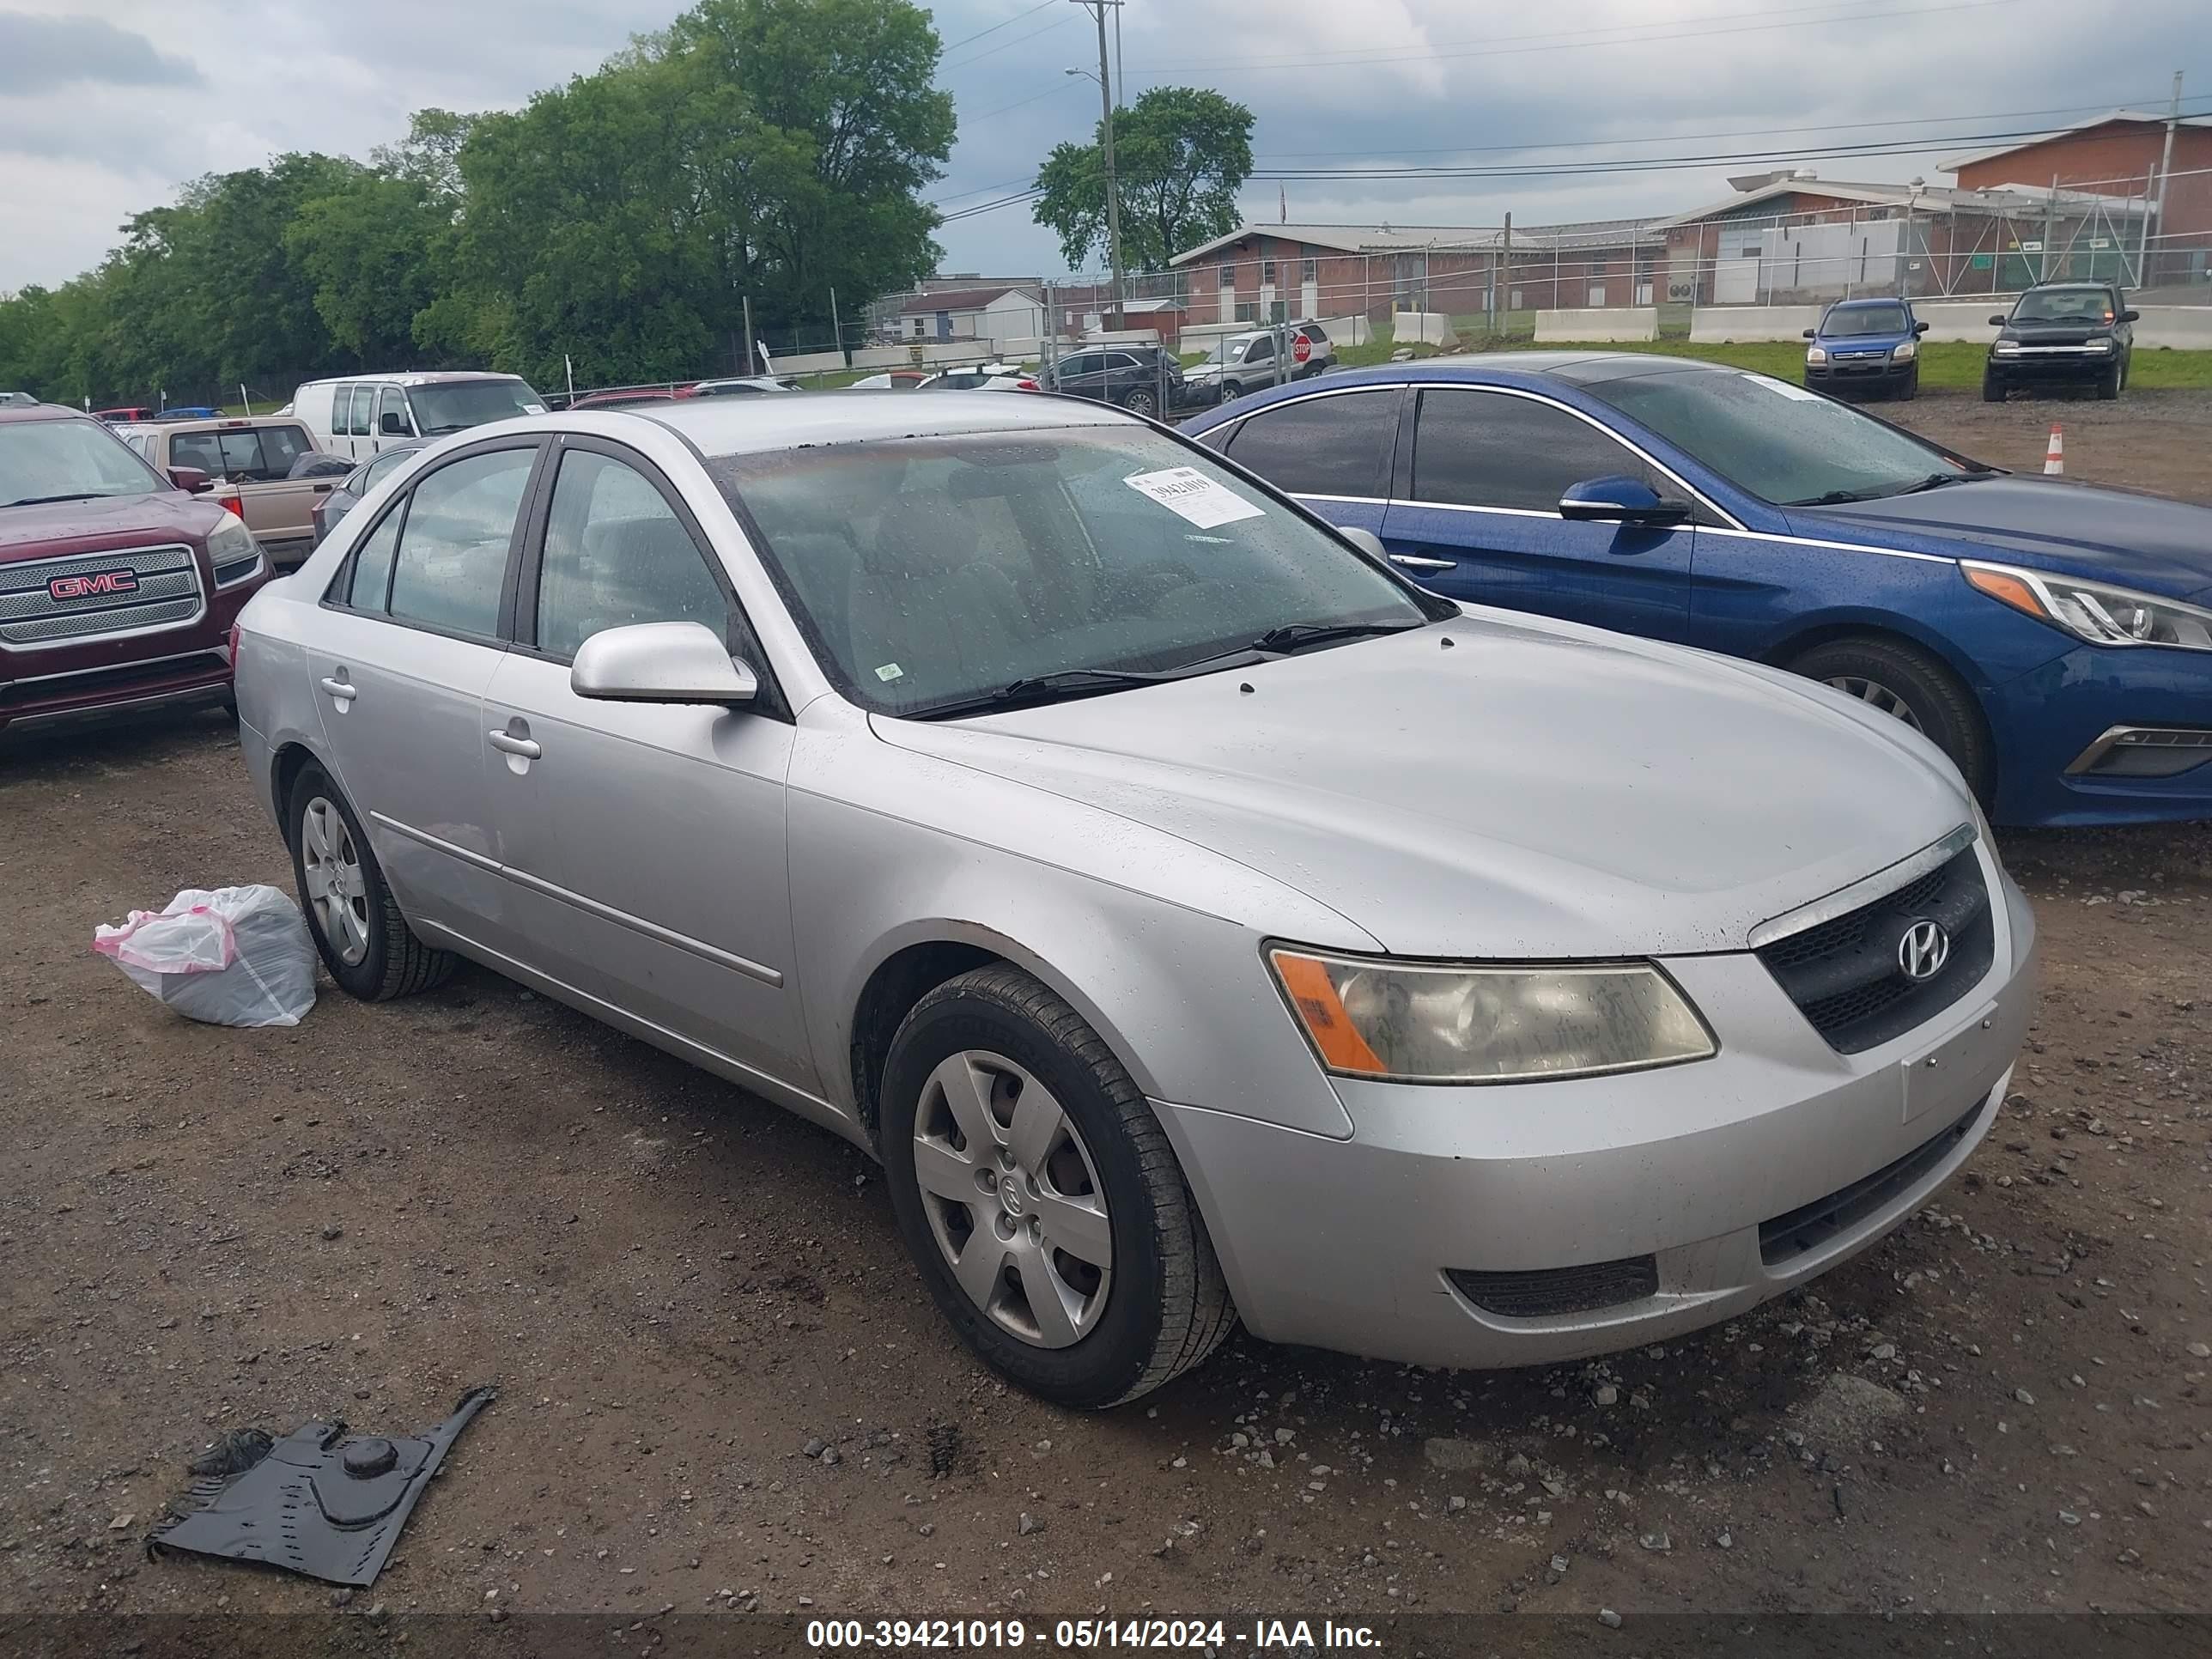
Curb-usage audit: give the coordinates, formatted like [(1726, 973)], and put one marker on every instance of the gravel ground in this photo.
[(722, 1385)]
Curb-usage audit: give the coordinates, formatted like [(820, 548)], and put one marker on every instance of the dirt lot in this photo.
[(677, 1288)]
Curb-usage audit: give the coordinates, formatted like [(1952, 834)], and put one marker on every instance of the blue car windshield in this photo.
[(1847, 324), (1775, 441)]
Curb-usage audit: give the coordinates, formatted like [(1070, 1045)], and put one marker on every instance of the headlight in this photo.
[(1444, 1023), (2095, 611), (1816, 355), (2008, 347), (2105, 344), (231, 540), (1905, 353)]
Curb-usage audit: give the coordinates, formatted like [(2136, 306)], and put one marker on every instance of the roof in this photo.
[(43, 412), (1391, 239), (414, 377), (1931, 198), (2158, 117), (748, 426), (961, 299), (204, 422)]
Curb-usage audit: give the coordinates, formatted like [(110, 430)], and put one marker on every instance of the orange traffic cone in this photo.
[(2054, 459)]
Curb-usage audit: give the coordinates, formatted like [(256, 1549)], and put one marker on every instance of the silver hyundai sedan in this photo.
[(1199, 921)]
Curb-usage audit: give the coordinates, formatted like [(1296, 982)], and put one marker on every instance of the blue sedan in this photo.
[(2055, 640)]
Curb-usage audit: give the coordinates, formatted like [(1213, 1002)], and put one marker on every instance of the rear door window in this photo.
[(451, 562), (371, 576), (1474, 448), (357, 420), (1337, 445)]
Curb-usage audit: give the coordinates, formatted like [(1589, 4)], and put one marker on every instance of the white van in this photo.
[(357, 415)]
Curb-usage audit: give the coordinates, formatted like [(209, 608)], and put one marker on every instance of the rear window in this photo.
[(241, 454)]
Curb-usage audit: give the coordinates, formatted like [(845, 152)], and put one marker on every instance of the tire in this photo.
[(1158, 1307), (1141, 402), (386, 960), (1993, 389), (2110, 382), (1230, 391), (1908, 388), (1905, 680)]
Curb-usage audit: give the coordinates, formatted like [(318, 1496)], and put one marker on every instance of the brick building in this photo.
[(2121, 154)]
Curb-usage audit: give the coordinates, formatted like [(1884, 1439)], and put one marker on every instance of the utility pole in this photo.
[(2050, 203), (2164, 178), (836, 333), (1097, 7), (1506, 260)]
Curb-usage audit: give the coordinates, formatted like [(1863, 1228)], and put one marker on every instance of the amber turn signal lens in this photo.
[(2009, 589), (1320, 1011)]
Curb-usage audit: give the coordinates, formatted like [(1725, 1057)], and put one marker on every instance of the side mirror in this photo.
[(1919, 328), (190, 479), (1366, 541), (1619, 500), (1998, 321), (1812, 333), (391, 424), (2131, 316), (660, 662)]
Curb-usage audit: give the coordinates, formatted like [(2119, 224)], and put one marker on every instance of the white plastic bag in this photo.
[(237, 956)]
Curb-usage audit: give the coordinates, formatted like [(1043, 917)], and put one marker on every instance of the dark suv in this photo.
[(2061, 334), (117, 585), (1142, 379)]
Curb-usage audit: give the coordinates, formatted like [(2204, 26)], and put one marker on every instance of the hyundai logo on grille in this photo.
[(1924, 950), (88, 586)]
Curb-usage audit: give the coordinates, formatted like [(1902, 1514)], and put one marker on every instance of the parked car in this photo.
[(358, 415), (17, 400), (2053, 638), (253, 462), (346, 494), (984, 377), (1143, 380), (1869, 346), (187, 412), (119, 585), (1199, 921), (741, 384), (897, 380), (2061, 334), (1247, 363), (628, 397), (125, 414)]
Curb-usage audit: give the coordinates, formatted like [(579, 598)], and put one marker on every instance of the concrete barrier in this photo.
[(1594, 323), (1715, 325), (2181, 328), (936, 353), (1346, 331), (1423, 328), (810, 362)]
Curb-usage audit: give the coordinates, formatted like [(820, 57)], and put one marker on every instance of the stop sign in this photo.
[(1301, 350)]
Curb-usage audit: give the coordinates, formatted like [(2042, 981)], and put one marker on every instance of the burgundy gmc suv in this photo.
[(117, 585)]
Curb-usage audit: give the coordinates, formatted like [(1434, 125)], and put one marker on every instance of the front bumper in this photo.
[(2052, 367), (1724, 1183), (1841, 374), (2058, 760)]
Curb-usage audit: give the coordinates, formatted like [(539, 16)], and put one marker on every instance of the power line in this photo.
[(1061, 23), (1491, 49), (1696, 137), (990, 207), (996, 26), (980, 189)]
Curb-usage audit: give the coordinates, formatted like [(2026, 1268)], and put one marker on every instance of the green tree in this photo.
[(1180, 156), (376, 251)]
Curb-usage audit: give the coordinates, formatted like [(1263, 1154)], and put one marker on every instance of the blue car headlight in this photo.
[(2095, 611)]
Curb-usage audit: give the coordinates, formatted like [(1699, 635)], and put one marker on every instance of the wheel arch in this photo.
[(291, 758), (917, 959), (1891, 628)]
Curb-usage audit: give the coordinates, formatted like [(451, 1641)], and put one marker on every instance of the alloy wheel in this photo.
[(1140, 403), (1013, 1198), (1877, 695), (335, 885)]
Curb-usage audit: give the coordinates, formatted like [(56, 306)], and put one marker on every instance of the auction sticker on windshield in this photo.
[(1189, 494)]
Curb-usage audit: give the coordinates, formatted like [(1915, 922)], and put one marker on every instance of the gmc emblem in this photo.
[(84, 587)]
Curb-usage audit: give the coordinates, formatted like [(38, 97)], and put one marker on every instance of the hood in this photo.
[(60, 528), (1848, 344), (2055, 332), (1536, 791), (2118, 536)]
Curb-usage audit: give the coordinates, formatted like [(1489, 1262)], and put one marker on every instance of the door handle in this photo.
[(322, 490), (507, 744), (1414, 561), (338, 688)]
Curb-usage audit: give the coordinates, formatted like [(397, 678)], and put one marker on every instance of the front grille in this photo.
[(1546, 1290), (1846, 976), (166, 593), (1811, 1225)]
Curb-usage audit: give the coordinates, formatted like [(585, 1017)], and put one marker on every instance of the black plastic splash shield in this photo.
[(317, 1502)]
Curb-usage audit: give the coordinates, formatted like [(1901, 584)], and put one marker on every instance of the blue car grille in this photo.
[(1846, 976)]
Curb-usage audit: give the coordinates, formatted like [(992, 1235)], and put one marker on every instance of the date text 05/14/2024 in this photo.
[(1211, 1636)]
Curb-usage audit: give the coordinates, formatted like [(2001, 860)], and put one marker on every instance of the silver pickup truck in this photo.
[(252, 456)]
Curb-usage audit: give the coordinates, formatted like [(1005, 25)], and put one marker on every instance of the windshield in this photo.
[(66, 460), (1228, 351), (926, 571), (1864, 319), (453, 404), (1780, 442), (2052, 304)]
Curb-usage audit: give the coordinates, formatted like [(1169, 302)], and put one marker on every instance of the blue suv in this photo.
[(1871, 346), (2053, 638)]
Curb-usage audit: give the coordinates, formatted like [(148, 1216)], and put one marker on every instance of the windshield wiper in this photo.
[(1068, 682), (1835, 498), (1292, 636), (450, 426), (1937, 480), (43, 500)]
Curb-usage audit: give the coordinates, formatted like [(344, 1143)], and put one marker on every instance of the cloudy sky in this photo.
[(106, 106)]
